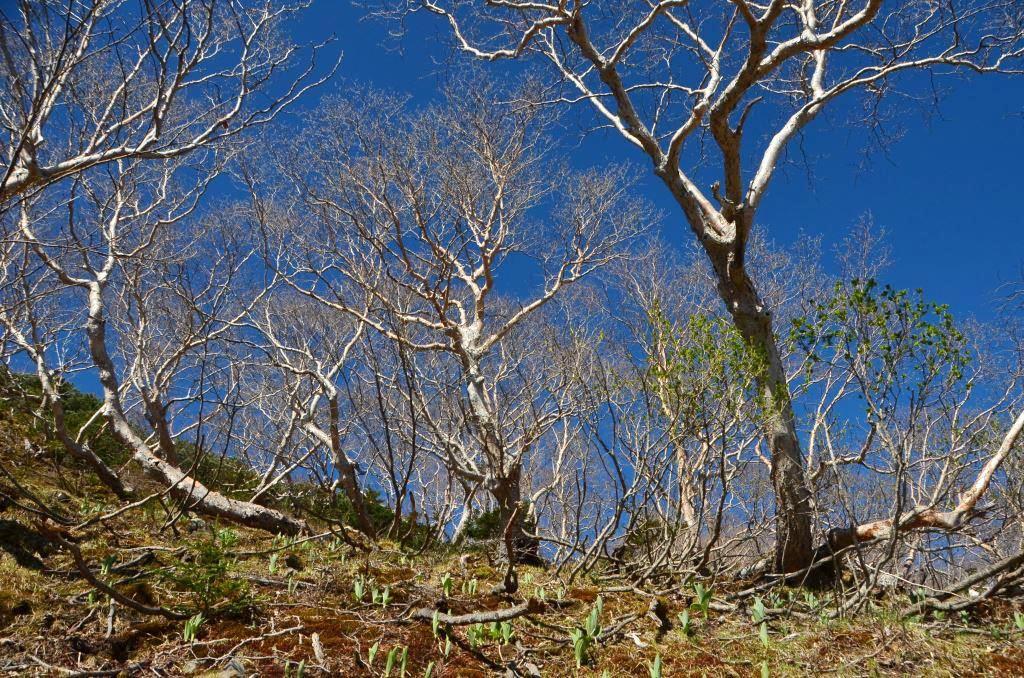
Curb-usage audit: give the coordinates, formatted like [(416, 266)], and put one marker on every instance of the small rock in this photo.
[(83, 645), (234, 669), (195, 525)]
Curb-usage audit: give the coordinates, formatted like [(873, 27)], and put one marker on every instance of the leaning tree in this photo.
[(720, 91), (116, 117)]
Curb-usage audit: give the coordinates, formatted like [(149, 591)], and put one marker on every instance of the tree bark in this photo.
[(81, 451), (504, 480), (517, 545), (347, 473), (794, 547), (929, 518)]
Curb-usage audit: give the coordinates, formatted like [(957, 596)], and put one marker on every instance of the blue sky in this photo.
[(947, 192)]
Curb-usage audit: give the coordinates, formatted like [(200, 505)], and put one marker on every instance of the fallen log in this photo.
[(530, 606)]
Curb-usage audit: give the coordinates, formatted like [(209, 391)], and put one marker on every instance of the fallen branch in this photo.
[(936, 602), (929, 518), (83, 567), (530, 606)]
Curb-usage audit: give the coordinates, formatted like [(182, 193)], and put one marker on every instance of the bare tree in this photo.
[(311, 349), (36, 322), (88, 82), (920, 380), (406, 221), (665, 73), (123, 246)]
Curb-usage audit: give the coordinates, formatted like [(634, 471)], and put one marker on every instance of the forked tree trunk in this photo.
[(505, 474), (182, 487), (81, 451), (348, 476), (517, 545), (794, 548)]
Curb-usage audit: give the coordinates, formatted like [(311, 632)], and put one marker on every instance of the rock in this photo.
[(195, 525), (83, 645), (234, 669)]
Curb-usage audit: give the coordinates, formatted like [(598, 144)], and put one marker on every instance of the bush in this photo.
[(205, 574), (488, 525), (23, 393)]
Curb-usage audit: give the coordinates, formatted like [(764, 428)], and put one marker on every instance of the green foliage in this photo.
[(593, 623), (580, 645), (685, 623), (397, 655), (655, 667), (700, 364), (446, 584), (488, 525), (485, 525), (23, 393), (191, 629), (506, 632), (894, 340), (584, 637), (758, 614), (359, 588), (702, 599), (206, 576), (336, 508), (381, 596), (475, 635)]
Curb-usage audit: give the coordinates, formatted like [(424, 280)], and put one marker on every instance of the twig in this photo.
[(83, 567), (936, 602)]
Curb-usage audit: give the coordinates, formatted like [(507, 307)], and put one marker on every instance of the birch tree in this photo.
[(38, 324), (718, 94), (156, 298), (312, 351), (419, 214), (89, 82)]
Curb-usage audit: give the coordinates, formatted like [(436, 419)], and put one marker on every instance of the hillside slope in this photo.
[(328, 605)]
